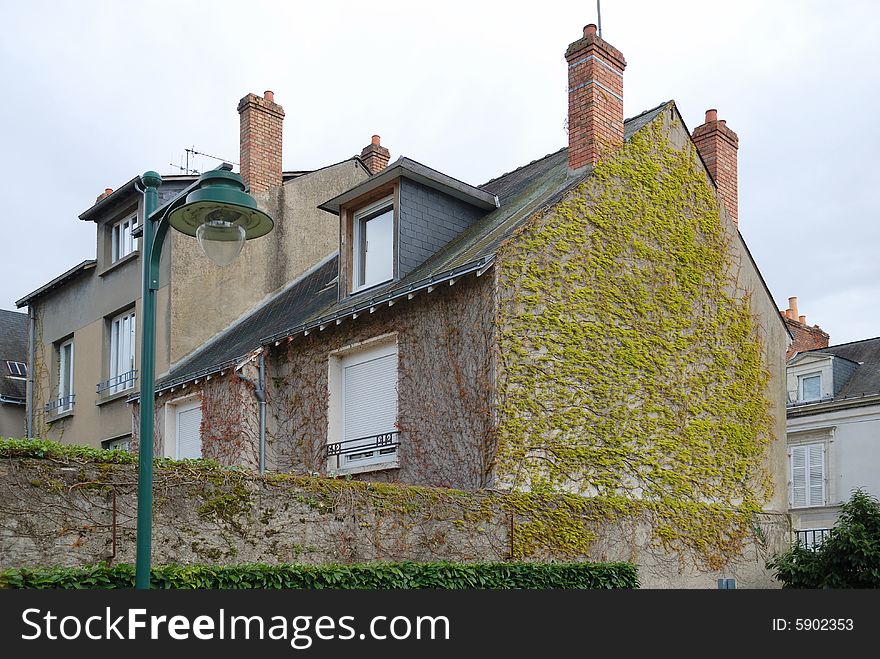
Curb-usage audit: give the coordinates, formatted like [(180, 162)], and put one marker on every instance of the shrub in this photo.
[(379, 576), (848, 558)]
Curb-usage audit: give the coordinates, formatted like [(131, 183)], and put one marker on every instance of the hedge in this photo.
[(380, 576)]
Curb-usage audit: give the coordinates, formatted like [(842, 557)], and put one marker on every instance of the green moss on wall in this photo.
[(631, 366)]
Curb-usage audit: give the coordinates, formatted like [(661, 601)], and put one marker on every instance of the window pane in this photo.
[(378, 251), (114, 244), (812, 387)]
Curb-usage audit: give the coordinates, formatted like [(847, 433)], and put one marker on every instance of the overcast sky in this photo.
[(95, 93)]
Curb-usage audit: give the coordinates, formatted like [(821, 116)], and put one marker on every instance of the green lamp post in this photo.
[(218, 211)]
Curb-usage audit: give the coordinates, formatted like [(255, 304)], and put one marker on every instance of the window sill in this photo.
[(58, 417), (115, 397), (363, 469), (121, 262), (366, 289)]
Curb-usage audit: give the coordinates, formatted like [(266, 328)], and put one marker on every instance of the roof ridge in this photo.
[(840, 345)]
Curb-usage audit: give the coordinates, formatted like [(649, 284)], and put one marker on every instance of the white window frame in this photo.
[(65, 389), (122, 360), (381, 459), (814, 455), (172, 409), (16, 369), (360, 219), (808, 376), (122, 242)]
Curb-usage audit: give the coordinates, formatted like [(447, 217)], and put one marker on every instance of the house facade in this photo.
[(832, 429), (591, 322), (13, 372), (86, 322)]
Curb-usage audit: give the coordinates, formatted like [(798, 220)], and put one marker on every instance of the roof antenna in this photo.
[(599, 16)]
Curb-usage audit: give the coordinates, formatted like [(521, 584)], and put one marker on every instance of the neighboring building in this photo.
[(804, 337), (86, 321), (418, 352), (833, 429), (13, 372)]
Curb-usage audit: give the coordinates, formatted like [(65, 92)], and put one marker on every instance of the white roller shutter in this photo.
[(189, 440), (369, 401)]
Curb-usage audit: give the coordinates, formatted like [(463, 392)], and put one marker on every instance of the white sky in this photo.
[(95, 93)]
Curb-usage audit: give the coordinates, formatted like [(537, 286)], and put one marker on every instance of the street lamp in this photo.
[(218, 211)]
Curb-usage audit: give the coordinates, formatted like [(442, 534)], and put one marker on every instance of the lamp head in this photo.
[(221, 215)]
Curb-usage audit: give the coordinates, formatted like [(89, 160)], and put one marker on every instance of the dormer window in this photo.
[(122, 243), (810, 387), (373, 245)]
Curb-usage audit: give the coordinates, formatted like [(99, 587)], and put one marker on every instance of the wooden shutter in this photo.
[(189, 440), (816, 474), (808, 475), (798, 476)]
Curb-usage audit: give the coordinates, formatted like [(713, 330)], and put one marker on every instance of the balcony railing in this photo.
[(371, 447), (811, 539), (117, 384), (60, 405)]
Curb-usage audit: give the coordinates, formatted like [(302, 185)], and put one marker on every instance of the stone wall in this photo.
[(74, 513)]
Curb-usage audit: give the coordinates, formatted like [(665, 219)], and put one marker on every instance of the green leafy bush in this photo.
[(381, 576), (42, 448), (848, 558)]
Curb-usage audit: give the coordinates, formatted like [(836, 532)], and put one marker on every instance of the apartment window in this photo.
[(363, 393), (121, 241), (65, 376), (120, 443), (808, 475), (122, 336), (17, 369), (373, 245), (810, 387)]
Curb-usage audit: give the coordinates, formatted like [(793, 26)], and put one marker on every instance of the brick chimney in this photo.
[(375, 156), (805, 337), (718, 145), (595, 98), (260, 140)]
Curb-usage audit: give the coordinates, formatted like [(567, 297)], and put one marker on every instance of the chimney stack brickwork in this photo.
[(805, 337), (260, 141), (718, 146), (375, 156), (595, 98)]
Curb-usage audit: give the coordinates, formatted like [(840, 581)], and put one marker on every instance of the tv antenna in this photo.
[(191, 153)]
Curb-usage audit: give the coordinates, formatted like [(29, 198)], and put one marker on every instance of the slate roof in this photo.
[(865, 381), (311, 301), (14, 348)]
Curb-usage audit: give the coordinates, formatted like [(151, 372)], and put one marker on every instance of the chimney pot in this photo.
[(108, 191), (802, 320), (792, 304), (376, 140), (711, 115), (589, 29), (269, 96)]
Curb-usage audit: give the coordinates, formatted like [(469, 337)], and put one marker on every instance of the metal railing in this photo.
[(384, 443), (117, 384), (812, 538), (60, 405)]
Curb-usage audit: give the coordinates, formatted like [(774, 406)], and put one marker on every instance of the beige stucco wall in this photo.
[(206, 298)]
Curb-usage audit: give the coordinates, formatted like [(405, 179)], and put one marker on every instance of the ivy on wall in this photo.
[(631, 368)]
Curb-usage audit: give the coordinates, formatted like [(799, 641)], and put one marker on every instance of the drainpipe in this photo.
[(260, 395), (29, 402)]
